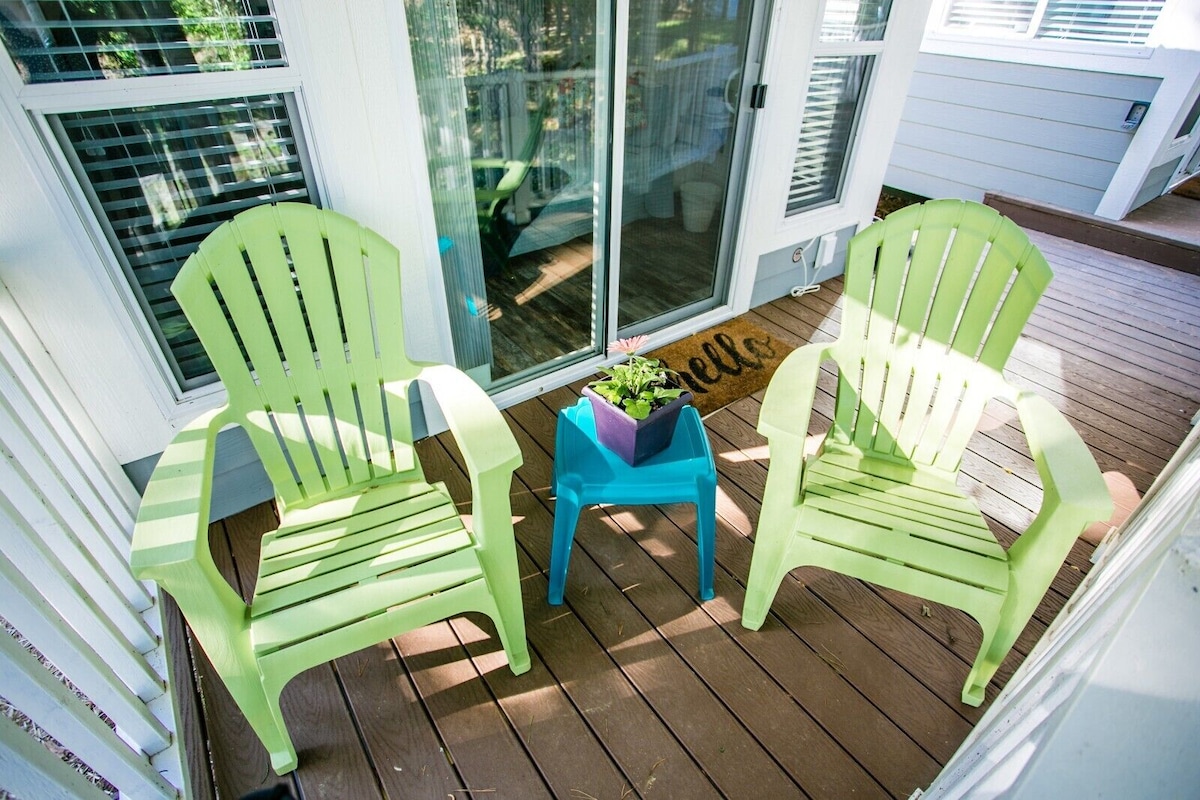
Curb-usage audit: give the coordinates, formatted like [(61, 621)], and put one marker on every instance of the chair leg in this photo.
[(706, 523), (566, 515), (505, 582), (1001, 625), (773, 558), (256, 695), (259, 701)]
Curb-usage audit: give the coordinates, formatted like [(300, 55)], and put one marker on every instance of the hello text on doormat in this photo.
[(724, 363)]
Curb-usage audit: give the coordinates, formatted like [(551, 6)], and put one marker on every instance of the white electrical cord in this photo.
[(812, 286)]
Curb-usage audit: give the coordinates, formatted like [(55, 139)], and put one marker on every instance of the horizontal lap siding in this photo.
[(65, 585), (971, 126)]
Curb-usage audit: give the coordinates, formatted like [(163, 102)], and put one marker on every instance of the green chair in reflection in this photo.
[(935, 298), (496, 181), (299, 310)]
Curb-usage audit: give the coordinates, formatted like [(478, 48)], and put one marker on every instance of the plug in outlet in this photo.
[(826, 246)]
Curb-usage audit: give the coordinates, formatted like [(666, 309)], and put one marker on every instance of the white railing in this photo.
[(675, 115), (66, 512)]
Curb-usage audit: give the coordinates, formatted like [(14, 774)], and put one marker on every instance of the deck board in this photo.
[(636, 689)]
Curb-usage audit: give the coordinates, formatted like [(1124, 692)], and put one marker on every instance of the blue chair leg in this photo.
[(706, 524), (566, 514)]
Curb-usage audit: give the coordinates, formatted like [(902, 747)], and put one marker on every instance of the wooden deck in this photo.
[(636, 689)]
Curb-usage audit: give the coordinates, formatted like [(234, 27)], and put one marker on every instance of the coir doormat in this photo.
[(724, 363)]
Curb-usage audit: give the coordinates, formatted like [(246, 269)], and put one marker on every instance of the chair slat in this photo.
[(365, 564), (346, 252), (891, 269), (907, 518), (345, 549), (302, 230), (924, 270), (223, 256), (915, 486), (265, 249), (383, 263), (305, 621), (418, 498), (903, 548)]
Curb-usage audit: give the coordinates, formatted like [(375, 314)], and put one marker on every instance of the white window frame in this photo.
[(36, 102), (1029, 40), (870, 49), (792, 44)]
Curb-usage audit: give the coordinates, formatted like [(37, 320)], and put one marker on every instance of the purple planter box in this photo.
[(635, 440)]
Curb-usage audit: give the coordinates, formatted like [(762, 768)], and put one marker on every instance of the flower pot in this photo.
[(635, 440)]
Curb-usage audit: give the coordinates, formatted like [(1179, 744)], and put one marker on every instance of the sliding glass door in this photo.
[(543, 120), (684, 72)]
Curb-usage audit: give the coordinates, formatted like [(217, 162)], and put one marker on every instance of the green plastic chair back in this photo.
[(513, 171), (936, 296), (299, 310)]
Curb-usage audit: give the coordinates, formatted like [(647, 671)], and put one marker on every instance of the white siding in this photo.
[(1046, 133), (66, 513)]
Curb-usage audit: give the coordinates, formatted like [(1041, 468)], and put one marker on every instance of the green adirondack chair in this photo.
[(299, 310), (935, 298), (496, 181)]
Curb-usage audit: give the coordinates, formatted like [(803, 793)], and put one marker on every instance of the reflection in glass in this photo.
[(682, 89), (855, 20), (52, 40), (510, 102)]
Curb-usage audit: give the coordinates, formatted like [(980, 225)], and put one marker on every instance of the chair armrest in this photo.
[(490, 163), (1074, 495), (1068, 472), (488, 448), (170, 537), (172, 522), (787, 406), (486, 442)]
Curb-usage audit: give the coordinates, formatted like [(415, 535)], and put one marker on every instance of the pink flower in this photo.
[(628, 346)]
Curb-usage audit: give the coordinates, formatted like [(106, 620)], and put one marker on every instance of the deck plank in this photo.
[(397, 733)]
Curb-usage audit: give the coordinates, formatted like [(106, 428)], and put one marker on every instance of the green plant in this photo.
[(638, 385)]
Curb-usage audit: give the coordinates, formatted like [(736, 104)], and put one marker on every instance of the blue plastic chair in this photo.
[(586, 472)]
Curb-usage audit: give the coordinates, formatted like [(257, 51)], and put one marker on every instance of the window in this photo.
[(850, 40), (160, 175), (1120, 22)]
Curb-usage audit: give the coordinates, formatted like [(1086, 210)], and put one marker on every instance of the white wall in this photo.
[(972, 126), (1042, 119)]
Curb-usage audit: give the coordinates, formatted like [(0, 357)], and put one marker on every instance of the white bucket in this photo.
[(699, 202)]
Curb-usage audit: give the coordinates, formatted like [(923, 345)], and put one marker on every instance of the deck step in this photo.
[(1174, 244)]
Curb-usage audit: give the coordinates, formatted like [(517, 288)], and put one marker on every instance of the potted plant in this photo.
[(636, 403)]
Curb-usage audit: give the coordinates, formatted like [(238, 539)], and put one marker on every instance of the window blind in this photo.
[(162, 177), (990, 16), (855, 20), (1113, 21), (62, 40), (835, 92), (1127, 22)]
